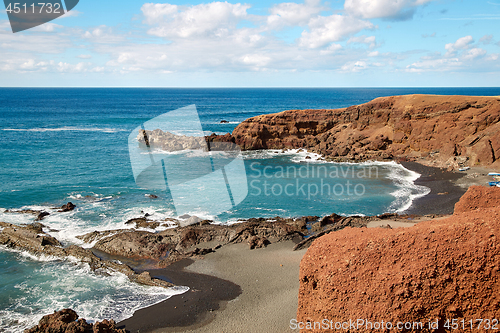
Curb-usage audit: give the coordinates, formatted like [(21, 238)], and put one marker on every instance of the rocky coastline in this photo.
[(441, 131), (163, 248), (447, 132)]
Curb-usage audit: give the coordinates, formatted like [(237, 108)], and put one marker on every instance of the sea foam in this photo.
[(56, 284)]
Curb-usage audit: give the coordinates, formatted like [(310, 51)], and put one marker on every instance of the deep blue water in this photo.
[(59, 145)]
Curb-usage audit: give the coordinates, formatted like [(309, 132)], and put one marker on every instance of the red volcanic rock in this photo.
[(478, 197), (436, 270), (65, 321), (446, 131)]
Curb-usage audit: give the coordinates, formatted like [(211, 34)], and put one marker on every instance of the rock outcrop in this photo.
[(171, 245), (168, 246), (436, 270), (40, 214), (31, 238), (443, 131), (478, 197), (67, 321)]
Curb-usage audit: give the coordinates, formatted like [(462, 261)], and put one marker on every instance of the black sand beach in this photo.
[(222, 299), (207, 294), (444, 193)]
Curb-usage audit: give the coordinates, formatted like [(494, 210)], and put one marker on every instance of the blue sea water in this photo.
[(68, 144)]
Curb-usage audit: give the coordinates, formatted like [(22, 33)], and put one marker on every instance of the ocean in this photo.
[(71, 144)]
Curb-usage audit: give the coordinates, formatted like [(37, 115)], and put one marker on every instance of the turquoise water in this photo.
[(60, 145)]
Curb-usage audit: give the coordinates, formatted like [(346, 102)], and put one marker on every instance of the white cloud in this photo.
[(370, 41), (331, 49), (256, 60), (47, 27), (438, 65), (103, 35), (28, 65), (65, 67), (389, 9), (214, 19), (158, 12), (474, 53), (461, 44), (486, 39), (354, 66), (460, 55), (324, 30), (292, 14), (492, 57), (429, 35), (210, 38)]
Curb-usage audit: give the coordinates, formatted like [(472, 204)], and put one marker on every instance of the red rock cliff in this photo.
[(445, 131), (439, 270)]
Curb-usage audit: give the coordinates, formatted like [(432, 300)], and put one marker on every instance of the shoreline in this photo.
[(233, 311), (443, 195), (266, 282), (447, 187)]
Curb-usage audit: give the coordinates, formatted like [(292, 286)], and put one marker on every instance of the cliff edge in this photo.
[(443, 131), (436, 270)]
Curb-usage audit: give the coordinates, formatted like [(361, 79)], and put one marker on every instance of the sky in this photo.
[(311, 43)]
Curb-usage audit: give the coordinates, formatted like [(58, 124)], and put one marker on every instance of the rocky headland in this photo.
[(442, 131), (442, 269), (437, 270)]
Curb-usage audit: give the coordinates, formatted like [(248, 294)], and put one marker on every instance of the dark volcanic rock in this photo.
[(256, 242), (41, 216), (142, 222), (30, 238), (67, 207), (332, 223), (65, 321), (173, 244)]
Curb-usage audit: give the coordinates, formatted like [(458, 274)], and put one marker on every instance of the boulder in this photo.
[(67, 207), (65, 321), (189, 221)]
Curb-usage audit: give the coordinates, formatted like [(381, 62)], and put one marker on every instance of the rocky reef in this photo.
[(437, 270), (33, 239), (192, 238), (67, 321), (443, 131)]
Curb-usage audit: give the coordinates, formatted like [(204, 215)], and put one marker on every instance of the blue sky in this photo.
[(312, 43)]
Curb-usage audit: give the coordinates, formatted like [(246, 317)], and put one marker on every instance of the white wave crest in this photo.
[(66, 128), (58, 285)]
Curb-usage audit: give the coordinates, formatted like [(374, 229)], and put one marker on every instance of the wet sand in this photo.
[(446, 187), (240, 290), (236, 290)]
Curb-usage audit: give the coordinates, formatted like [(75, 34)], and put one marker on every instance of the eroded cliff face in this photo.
[(438, 270), (444, 131)]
